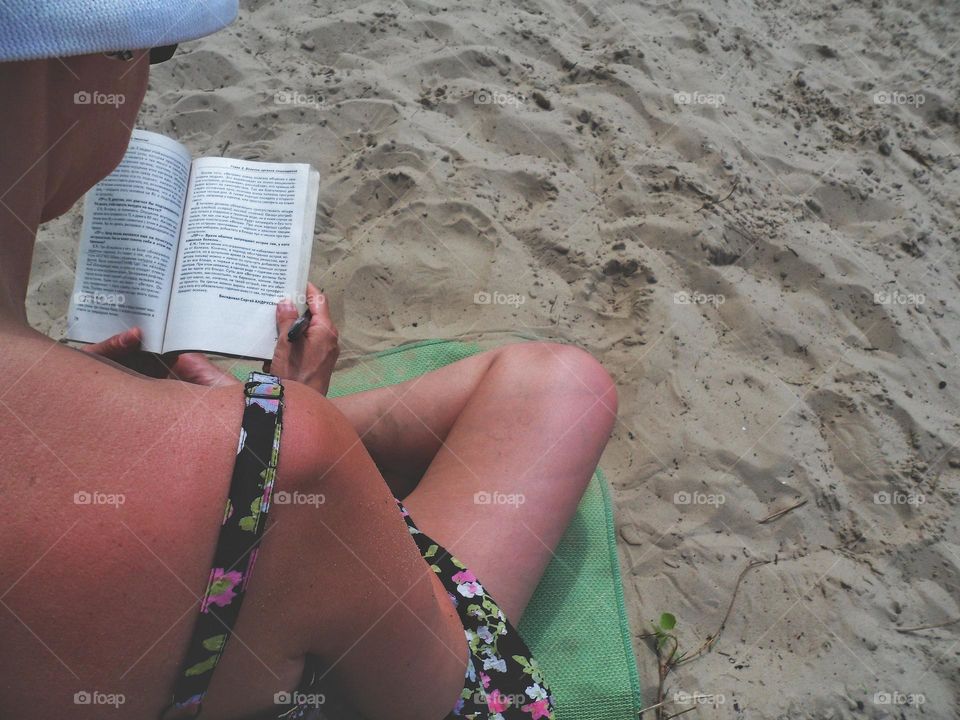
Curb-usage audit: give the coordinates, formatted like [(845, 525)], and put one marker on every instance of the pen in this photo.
[(299, 325)]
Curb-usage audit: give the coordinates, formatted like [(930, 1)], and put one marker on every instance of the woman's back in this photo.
[(118, 484)]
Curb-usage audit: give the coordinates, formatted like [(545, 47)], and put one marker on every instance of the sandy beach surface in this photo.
[(747, 210)]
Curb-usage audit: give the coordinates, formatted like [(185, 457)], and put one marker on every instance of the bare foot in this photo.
[(196, 368)]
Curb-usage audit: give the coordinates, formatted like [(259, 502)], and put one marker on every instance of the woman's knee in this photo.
[(317, 444), (560, 369)]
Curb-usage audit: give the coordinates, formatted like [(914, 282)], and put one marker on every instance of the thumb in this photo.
[(117, 346), (286, 316)]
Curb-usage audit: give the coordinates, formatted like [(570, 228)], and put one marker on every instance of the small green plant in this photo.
[(661, 631), (666, 645)]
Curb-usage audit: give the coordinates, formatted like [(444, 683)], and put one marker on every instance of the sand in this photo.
[(748, 211)]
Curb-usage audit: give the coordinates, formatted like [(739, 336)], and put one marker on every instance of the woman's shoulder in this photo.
[(73, 415), (72, 419)]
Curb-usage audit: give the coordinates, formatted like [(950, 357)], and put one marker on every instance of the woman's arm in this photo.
[(339, 574)]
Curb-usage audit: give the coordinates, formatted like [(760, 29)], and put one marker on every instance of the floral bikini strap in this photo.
[(244, 518)]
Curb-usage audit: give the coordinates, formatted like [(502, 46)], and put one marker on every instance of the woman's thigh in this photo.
[(506, 442)]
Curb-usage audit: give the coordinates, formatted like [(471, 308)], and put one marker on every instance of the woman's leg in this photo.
[(404, 425), (506, 442)]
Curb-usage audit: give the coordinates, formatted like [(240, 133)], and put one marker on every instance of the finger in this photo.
[(317, 303), (119, 345), (286, 316), (319, 309)]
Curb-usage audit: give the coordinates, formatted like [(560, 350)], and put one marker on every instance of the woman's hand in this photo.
[(117, 347), (124, 349), (309, 359)]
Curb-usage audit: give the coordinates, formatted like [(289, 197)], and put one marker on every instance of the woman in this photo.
[(103, 602)]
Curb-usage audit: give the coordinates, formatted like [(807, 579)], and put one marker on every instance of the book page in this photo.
[(240, 252), (128, 244)]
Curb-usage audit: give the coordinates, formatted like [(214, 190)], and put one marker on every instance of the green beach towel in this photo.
[(576, 624)]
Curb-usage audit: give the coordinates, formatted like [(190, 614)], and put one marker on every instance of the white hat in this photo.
[(31, 29)]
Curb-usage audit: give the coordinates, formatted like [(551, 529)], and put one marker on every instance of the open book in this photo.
[(197, 253)]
